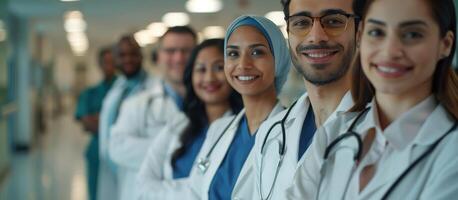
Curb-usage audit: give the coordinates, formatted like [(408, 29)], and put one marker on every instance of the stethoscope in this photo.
[(332, 148), (282, 150), (204, 162)]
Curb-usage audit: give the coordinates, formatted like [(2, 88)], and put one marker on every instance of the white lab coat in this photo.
[(155, 179), (107, 186), (196, 186), (219, 152), (410, 136), (293, 128), (141, 119)]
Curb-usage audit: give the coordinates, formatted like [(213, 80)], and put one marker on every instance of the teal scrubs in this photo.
[(90, 103)]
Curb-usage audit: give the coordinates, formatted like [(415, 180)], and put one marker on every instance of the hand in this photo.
[(91, 123)]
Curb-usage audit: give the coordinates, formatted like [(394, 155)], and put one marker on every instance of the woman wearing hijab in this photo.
[(256, 65)]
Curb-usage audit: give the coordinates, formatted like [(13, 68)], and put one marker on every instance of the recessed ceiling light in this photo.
[(214, 32), (204, 6), (175, 19)]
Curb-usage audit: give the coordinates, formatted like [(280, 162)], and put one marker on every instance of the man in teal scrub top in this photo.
[(87, 112)]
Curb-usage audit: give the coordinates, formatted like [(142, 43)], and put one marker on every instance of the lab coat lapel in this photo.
[(221, 148), (436, 125), (181, 122), (244, 182)]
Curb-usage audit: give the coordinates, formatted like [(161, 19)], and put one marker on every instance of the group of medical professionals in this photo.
[(378, 120)]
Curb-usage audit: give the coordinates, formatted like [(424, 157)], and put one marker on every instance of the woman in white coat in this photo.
[(400, 141), (208, 97), (257, 64)]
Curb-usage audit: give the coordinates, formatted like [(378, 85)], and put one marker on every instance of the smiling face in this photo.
[(400, 50), (249, 62), (173, 54), (208, 79), (319, 56), (131, 58)]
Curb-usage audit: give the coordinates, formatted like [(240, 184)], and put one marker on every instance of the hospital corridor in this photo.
[(228, 99), (54, 168)]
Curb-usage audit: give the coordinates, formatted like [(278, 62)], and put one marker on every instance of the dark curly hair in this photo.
[(194, 108)]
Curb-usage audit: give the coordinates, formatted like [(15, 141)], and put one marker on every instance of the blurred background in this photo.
[(48, 54)]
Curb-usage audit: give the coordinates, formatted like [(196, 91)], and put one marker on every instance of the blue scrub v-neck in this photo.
[(228, 172)]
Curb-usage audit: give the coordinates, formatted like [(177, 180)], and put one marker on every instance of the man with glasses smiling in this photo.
[(322, 38), (142, 117)]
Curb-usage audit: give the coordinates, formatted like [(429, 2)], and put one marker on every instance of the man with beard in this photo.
[(133, 80), (142, 117), (322, 39)]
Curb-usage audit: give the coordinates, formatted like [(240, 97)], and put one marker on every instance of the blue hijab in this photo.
[(276, 40)]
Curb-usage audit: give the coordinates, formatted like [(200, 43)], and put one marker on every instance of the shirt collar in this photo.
[(345, 104), (402, 131), (175, 96)]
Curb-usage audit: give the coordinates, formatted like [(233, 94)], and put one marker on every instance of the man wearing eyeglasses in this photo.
[(322, 35), (143, 116)]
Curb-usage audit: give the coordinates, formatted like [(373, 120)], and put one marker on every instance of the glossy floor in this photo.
[(54, 169)]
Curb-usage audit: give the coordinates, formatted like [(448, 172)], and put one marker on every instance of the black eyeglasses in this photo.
[(332, 24)]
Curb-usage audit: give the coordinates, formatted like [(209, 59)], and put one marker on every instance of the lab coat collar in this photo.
[(403, 131), (435, 126), (345, 104)]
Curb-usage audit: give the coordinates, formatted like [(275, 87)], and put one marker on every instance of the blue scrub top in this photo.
[(228, 172), (183, 164), (308, 130)]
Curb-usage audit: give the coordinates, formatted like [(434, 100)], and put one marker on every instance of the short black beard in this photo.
[(333, 76)]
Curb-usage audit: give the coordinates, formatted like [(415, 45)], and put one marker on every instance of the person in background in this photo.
[(133, 79), (399, 141), (87, 112), (142, 117), (208, 97)]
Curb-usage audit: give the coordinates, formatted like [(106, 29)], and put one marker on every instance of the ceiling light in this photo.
[(75, 25), (73, 14), (144, 38), (156, 29), (204, 6), (278, 17), (175, 19), (210, 32), (68, 0)]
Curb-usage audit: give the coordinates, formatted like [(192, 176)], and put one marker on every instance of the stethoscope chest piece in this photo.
[(203, 165)]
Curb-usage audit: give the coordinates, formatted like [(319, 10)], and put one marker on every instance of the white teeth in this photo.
[(388, 69), (318, 55), (245, 78)]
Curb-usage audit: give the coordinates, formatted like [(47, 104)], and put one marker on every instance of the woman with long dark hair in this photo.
[(400, 139), (208, 97)]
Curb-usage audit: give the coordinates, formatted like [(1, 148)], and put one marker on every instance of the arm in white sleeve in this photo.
[(127, 147), (151, 179)]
